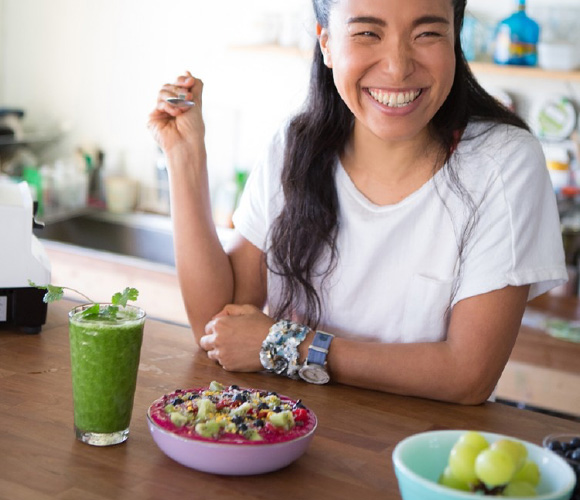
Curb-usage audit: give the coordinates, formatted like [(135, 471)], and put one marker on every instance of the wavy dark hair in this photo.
[(304, 234)]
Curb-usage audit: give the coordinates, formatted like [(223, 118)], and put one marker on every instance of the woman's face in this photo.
[(393, 61)]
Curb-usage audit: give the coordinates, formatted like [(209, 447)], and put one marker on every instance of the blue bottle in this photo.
[(516, 40)]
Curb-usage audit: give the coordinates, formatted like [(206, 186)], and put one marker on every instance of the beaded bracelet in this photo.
[(279, 353)]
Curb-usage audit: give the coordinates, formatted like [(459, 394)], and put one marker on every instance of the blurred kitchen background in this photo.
[(79, 77)]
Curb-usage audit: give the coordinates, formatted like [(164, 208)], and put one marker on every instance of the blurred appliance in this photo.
[(22, 258)]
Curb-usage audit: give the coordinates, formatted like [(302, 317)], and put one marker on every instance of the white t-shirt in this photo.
[(398, 268)]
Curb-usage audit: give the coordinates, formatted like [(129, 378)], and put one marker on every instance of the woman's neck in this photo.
[(387, 172)]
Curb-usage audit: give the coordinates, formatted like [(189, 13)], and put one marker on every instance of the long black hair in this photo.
[(306, 229)]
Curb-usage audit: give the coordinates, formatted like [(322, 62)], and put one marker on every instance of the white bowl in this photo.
[(558, 56)]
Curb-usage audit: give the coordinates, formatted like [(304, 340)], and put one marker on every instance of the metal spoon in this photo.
[(180, 101)]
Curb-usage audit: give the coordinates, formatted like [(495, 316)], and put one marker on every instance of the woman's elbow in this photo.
[(474, 390)]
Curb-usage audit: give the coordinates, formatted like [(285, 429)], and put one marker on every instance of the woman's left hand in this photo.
[(234, 337)]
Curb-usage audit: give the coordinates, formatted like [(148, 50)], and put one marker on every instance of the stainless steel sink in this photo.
[(145, 236)]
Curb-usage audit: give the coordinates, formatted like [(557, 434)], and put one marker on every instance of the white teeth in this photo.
[(395, 99)]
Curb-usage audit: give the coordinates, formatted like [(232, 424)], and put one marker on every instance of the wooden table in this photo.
[(349, 457), (544, 371)]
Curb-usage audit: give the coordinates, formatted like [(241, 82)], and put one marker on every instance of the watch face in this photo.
[(315, 374)]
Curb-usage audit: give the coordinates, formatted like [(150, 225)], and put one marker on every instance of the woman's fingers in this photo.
[(185, 87), (207, 342)]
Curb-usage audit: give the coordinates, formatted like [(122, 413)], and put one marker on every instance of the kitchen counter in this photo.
[(544, 371), (349, 457)]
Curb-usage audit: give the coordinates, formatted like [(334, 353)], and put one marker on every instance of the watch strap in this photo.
[(318, 349)]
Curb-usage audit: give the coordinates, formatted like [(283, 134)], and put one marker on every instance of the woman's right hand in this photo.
[(174, 126)]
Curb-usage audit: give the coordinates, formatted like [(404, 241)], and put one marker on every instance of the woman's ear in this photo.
[(322, 34)]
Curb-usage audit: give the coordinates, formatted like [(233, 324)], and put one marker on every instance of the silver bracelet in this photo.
[(279, 353)]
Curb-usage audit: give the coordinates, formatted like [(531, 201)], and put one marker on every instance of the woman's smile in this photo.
[(394, 102), (394, 98)]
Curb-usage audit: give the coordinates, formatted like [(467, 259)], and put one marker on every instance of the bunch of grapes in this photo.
[(502, 468)]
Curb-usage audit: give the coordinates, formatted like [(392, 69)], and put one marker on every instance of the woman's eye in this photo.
[(429, 34), (367, 34)]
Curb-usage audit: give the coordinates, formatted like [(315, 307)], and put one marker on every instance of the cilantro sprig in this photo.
[(118, 300)]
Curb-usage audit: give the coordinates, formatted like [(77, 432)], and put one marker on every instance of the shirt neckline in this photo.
[(343, 177)]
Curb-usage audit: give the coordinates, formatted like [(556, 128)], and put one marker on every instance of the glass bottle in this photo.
[(516, 39)]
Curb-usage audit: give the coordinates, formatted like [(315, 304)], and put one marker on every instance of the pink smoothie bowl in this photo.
[(228, 458)]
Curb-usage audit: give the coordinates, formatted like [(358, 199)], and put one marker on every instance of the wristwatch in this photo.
[(314, 369)]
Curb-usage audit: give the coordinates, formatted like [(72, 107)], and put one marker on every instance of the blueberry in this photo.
[(298, 404), (263, 406), (238, 420), (178, 401), (272, 393), (241, 397), (277, 409), (259, 423), (243, 427), (234, 387), (575, 455), (555, 445), (575, 442)]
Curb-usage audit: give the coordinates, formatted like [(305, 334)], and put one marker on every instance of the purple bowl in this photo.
[(229, 458)]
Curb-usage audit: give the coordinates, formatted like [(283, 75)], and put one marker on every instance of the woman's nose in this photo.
[(398, 61)]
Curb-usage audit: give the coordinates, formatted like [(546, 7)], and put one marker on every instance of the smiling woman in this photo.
[(399, 66), (395, 228)]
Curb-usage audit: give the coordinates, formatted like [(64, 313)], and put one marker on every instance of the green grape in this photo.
[(516, 449), (519, 489), (494, 467), (530, 473), (475, 439), (462, 462), (448, 479)]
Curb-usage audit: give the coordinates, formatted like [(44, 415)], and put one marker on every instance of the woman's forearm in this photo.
[(429, 370), (203, 268), (464, 368)]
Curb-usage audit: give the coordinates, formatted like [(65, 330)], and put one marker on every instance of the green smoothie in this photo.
[(105, 351)]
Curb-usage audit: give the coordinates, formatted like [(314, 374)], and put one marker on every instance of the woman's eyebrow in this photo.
[(428, 19), (366, 20)]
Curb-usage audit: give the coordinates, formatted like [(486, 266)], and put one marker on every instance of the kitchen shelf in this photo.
[(487, 68)]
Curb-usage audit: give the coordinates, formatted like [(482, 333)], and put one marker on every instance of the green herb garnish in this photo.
[(119, 299)]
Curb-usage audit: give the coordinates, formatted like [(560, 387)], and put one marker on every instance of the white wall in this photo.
[(94, 68)]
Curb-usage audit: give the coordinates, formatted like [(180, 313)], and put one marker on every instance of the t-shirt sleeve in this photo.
[(262, 197), (517, 238)]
